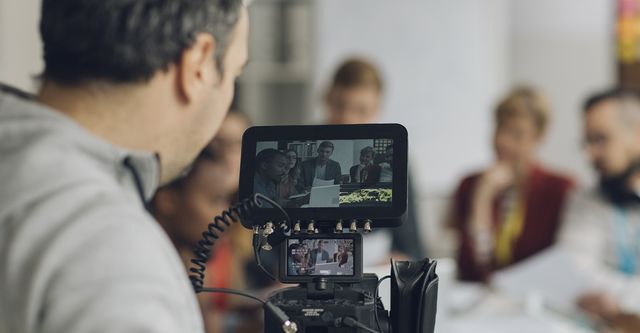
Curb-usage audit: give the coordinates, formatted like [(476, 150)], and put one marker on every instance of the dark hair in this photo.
[(292, 247), (368, 150), (326, 144), (267, 155), (615, 93), (356, 72), (122, 41)]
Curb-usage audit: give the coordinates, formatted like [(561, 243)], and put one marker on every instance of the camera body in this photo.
[(332, 287), (303, 171)]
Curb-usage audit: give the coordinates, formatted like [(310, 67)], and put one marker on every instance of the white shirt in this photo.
[(321, 171), (589, 236)]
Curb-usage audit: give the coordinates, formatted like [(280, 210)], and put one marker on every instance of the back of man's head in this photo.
[(124, 41), (153, 75)]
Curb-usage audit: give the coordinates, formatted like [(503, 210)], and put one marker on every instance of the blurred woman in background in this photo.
[(510, 210)]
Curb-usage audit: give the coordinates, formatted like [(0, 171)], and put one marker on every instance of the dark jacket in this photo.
[(308, 172), (373, 174)]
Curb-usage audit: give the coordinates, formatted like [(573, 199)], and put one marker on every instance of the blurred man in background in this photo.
[(602, 225), (80, 253)]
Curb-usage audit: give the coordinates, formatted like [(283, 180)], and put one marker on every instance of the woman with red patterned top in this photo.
[(511, 210)]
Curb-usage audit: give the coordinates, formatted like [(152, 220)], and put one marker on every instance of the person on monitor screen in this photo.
[(354, 96), (270, 168), (296, 261), (290, 183), (386, 166), (512, 209), (341, 256), (366, 172), (321, 167), (319, 254)]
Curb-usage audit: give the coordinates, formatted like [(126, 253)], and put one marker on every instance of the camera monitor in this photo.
[(337, 257), (330, 172)]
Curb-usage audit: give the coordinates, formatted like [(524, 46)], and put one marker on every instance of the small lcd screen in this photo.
[(325, 173), (320, 257)]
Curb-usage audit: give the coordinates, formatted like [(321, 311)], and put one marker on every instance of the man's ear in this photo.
[(196, 69)]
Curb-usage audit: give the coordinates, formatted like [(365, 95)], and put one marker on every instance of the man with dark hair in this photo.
[(601, 228), (131, 92), (319, 254), (270, 168), (366, 172), (321, 167), (295, 260)]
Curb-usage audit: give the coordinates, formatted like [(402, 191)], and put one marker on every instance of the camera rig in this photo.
[(325, 211)]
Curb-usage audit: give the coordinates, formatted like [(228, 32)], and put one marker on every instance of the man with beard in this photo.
[(602, 226)]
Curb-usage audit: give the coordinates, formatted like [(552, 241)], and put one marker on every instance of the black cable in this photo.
[(235, 213), (286, 324), (231, 291), (376, 300)]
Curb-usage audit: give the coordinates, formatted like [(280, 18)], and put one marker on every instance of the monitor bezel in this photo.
[(391, 216)]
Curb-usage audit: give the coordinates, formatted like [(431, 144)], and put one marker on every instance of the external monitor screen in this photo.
[(325, 173), (320, 257)]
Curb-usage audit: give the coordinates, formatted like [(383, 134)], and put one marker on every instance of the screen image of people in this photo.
[(320, 257), (325, 173)]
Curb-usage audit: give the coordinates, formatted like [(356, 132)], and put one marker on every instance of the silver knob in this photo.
[(367, 226), (353, 227)]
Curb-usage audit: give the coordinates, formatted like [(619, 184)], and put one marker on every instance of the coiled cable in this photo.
[(238, 212)]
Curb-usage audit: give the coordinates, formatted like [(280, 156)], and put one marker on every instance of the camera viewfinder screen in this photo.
[(325, 173), (320, 257)]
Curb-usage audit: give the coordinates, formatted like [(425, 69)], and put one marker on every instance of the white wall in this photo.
[(20, 45), (343, 154), (444, 63), (262, 145), (566, 48)]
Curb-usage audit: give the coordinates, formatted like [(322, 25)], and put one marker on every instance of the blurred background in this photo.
[(445, 65)]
